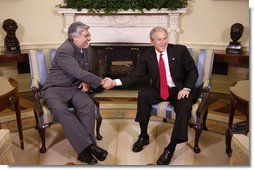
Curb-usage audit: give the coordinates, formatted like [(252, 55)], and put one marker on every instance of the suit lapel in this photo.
[(171, 60), (154, 63)]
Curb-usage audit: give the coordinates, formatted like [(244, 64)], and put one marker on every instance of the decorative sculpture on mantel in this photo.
[(234, 46), (10, 41)]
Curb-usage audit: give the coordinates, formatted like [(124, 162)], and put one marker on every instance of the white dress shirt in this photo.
[(168, 74), (165, 58)]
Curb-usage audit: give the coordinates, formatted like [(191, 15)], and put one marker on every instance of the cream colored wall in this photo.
[(38, 22), (207, 22)]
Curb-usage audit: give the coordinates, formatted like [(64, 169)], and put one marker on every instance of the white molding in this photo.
[(125, 26), (56, 45)]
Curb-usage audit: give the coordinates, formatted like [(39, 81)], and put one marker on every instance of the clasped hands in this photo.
[(108, 83)]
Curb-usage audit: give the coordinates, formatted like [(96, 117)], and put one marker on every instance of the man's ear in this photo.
[(74, 38), (152, 42)]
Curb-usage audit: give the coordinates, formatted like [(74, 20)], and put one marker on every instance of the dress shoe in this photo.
[(165, 157), (138, 146), (98, 152), (86, 156)]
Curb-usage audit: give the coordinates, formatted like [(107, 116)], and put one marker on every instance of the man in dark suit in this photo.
[(174, 83), (67, 83)]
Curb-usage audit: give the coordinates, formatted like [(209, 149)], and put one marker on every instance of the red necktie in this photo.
[(164, 92)]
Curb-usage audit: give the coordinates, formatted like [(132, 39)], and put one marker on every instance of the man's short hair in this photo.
[(157, 29), (76, 28)]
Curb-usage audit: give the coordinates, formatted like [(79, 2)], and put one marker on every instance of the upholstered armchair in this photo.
[(204, 61), (6, 156), (40, 61)]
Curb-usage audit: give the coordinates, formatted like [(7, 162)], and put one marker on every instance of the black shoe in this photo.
[(138, 146), (86, 156), (166, 157), (98, 152)]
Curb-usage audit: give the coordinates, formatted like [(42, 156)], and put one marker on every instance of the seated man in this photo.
[(68, 82), (174, 74)]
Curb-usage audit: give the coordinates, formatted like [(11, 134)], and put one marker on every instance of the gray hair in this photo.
[(76, 28), (157, 29)]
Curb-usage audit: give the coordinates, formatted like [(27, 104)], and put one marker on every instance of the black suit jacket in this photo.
[(182, 68)]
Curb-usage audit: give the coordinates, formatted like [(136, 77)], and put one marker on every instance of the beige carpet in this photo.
[(118, 138)]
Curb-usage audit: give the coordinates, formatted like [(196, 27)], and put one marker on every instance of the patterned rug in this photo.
[(118, 138), (219, 107), (119, 118)]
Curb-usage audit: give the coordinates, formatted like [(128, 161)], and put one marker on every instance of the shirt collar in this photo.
[(158, 53)]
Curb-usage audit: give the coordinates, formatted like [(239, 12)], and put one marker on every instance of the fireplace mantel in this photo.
[(125, 26)]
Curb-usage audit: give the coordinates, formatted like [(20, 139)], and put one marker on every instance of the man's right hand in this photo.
[(108, 83)]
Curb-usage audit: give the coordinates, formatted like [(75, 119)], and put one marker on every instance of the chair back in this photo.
[(40, 62), (204, 61)]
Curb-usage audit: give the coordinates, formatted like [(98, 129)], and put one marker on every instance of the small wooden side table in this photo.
[(23, 56), (235, 59), (239, 94), (9, 96)]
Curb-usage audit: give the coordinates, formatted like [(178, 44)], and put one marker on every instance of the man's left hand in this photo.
[(183, 93), (83, 87)]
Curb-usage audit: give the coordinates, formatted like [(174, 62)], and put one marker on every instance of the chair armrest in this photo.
[(204, 93), (34, 84)]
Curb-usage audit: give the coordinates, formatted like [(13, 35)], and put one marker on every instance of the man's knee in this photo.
[(186, 101), (143, 94), (86, 107), (56, 107), (184, 104)]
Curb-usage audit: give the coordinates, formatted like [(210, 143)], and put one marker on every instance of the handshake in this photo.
[(107, 83)]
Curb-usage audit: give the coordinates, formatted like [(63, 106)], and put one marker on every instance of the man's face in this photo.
[(160, 41), (82, 41)]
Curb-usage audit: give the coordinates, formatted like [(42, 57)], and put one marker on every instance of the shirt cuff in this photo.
[(185, 88), (118, 82)]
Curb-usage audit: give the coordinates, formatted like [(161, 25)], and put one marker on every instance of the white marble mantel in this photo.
[(125, 26)]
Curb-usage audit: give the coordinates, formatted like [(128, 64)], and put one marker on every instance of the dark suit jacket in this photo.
[(182, 68), (66, 73)]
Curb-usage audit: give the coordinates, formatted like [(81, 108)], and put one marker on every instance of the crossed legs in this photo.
[(78, 126)]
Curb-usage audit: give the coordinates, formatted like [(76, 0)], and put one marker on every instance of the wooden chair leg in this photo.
[(204, 120), (36, 120), (43, 143), (98, 126), (41, 132), (164, 120), (98, 121), (197, 136), (228, 139)]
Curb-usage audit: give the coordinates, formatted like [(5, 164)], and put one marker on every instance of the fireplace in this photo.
[(131, 28), (115, 60)]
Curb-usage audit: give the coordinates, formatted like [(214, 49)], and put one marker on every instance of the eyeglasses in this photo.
[(86, 35)]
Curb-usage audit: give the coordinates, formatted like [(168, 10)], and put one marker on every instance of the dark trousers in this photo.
[(149, 96)]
